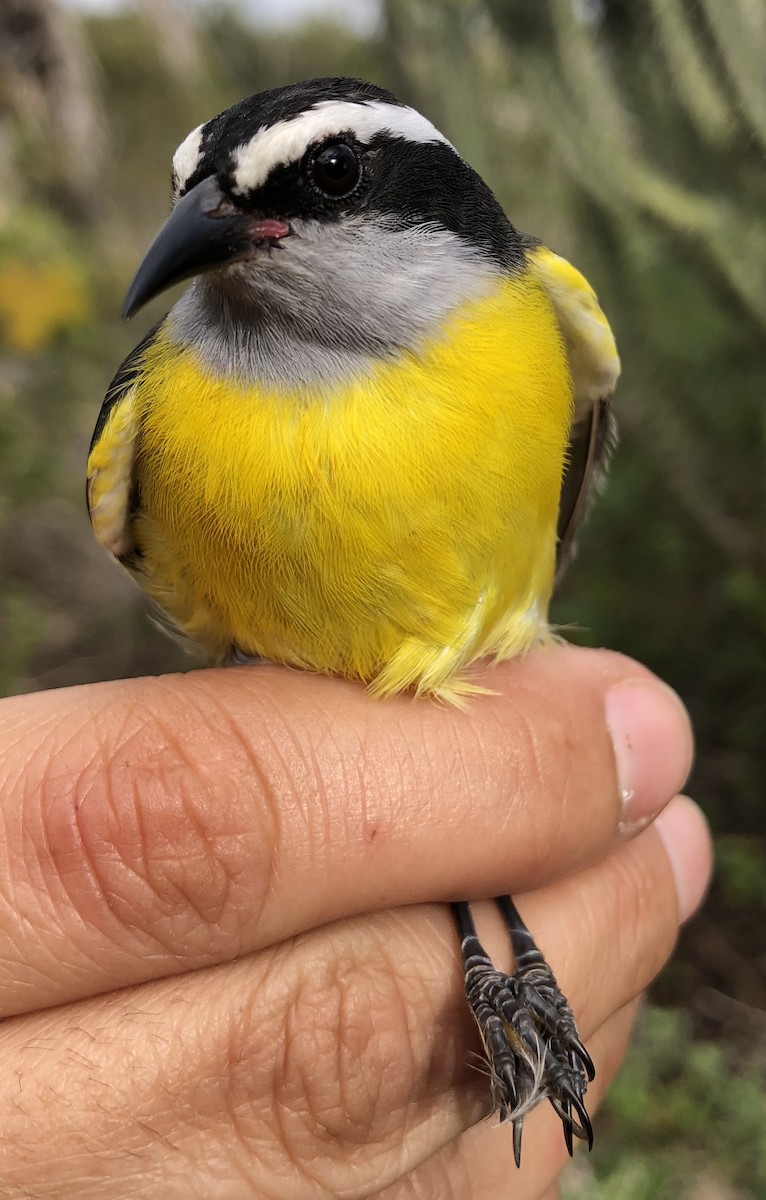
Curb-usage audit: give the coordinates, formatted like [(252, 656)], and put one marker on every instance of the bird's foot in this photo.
[(528, 1031), (235, 657)]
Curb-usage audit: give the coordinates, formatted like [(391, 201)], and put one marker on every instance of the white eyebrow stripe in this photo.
[(187, 157), (288, 140)]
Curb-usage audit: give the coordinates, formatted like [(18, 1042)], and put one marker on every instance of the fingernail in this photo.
[(653, 747), (686, 838)]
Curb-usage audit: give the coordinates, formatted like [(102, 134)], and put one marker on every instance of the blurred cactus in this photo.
[(48, 109), (647, 115), (175, 29)]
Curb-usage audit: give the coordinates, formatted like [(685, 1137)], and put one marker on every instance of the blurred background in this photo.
[(631, 138)]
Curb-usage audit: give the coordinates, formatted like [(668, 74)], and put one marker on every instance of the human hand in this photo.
[(232, 850)]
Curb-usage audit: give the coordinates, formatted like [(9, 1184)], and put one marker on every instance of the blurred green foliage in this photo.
[(632, 138), (684, 1121)]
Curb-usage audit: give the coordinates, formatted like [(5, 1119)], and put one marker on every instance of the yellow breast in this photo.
[(392, 529)]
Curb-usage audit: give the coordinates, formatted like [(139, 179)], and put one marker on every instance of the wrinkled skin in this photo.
[(212, 985)]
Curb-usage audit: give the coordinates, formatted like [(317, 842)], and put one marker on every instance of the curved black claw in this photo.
[(563, 1103), (579, 1051), (566, 1121), (518, 1125), (528, 1031)]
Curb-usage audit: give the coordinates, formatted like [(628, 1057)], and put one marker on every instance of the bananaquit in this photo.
[(361, 442)]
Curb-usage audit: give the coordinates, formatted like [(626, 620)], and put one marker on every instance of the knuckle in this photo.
[(546, 780), (615, 928), (641, 910), (141, 836), (547, 739), (343, 1066)]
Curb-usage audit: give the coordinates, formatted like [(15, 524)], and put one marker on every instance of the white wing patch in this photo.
[(593, 358), (110, 476), (187, 158), (595, 368), (287, 141)]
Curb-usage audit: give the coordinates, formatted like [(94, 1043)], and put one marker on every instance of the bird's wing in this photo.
[(595, 367), (110, 487)]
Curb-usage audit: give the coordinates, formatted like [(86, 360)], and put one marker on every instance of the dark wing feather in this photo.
[(591, 443)]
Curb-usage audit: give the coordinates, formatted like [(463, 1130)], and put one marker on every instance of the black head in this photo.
[(280, 166)]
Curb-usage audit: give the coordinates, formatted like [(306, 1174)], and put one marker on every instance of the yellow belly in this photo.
[(392, 529)]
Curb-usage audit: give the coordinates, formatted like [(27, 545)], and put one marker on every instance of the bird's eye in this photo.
[(336, 169)]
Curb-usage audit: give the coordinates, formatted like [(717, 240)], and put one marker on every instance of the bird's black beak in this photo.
[(205, 229)]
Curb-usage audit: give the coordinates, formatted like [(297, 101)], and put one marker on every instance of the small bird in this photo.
[(361, 442)]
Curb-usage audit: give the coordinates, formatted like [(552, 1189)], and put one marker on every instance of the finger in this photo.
[(331, 1065), (157, 825), (479, 1163), (607, 932)]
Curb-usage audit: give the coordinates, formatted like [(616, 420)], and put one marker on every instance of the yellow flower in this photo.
[(37, 300)]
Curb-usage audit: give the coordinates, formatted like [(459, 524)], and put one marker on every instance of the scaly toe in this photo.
[(531, 1042)]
